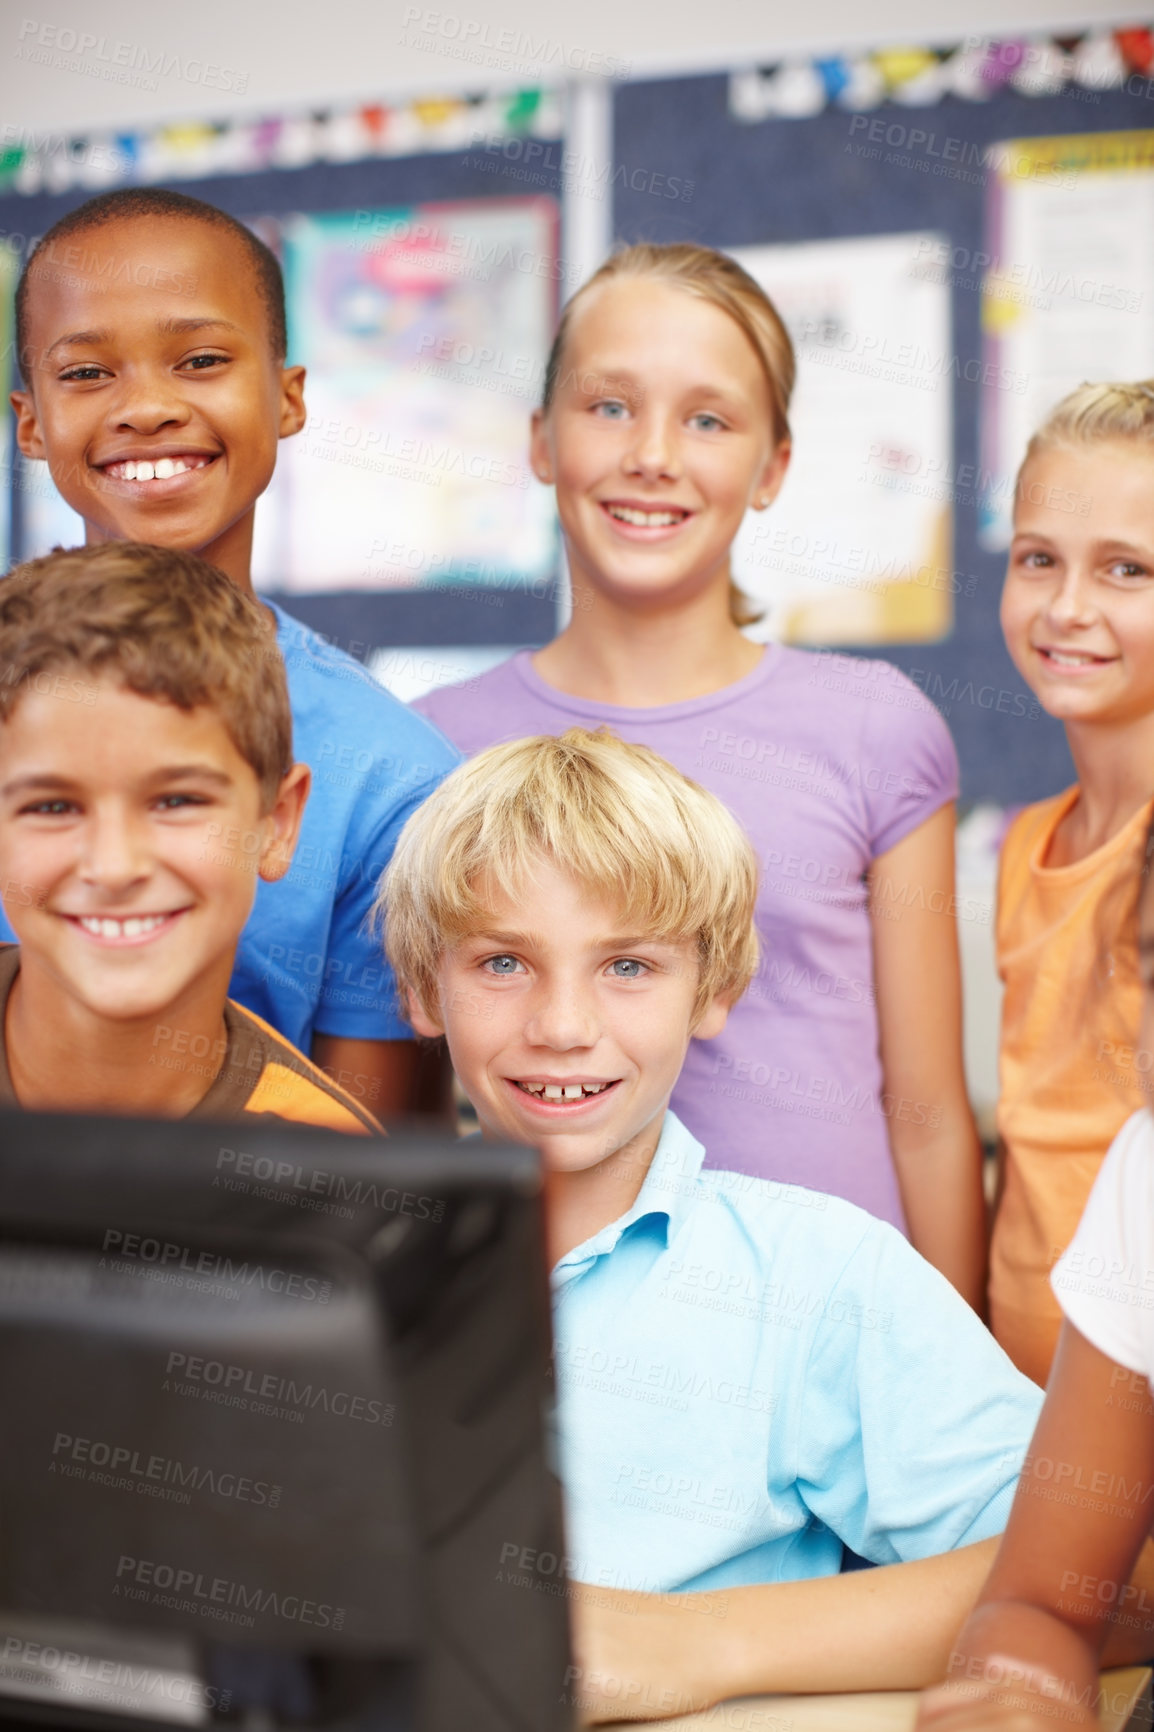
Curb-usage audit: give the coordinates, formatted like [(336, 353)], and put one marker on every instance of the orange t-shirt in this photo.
[(1070, 1074), (254, 1071)]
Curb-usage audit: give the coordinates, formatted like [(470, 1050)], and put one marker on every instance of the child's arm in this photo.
[(393, 1078), (1061, 1584), (644, 1656), (918, 982)]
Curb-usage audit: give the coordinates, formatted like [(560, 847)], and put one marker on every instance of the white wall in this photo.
[(297, 54)]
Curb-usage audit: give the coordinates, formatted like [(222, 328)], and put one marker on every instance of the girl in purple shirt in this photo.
[(664, 419)]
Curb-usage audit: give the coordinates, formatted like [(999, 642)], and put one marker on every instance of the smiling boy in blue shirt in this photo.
[(152, 340), (751, 1376)]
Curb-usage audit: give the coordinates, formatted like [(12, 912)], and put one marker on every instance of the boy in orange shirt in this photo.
[(146, 785), (1078, 615)]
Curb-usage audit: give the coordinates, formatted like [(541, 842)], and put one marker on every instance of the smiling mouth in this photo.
[(130, 926), (663, 517), (156, 469), (560, 1093), (1072, 658)]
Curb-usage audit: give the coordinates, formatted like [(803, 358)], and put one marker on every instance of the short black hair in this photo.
[(157, 201)]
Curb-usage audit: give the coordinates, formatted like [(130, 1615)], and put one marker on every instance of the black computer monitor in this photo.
[(274, 1410)]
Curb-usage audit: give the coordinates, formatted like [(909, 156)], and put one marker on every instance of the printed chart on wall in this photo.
[(858, 547), (424, 333), (1070, 293)]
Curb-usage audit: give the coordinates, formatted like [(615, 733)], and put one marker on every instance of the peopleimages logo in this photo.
[(138, 1578), (131, 1250)]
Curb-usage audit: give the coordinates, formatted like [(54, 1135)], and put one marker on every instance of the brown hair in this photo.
[(713, 277), (168, 624)]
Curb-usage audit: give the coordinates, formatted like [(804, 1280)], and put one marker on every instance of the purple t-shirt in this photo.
[(828, 761)]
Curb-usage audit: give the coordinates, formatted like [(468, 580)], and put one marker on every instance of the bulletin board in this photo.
[(913, 170)]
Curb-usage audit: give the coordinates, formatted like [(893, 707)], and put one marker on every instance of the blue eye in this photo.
[(610, 409), (628, 968), (713, 420), (502, 964)]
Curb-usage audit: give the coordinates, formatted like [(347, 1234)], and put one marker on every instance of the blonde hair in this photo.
[(616, 817), (1095, 414), (720, 280)]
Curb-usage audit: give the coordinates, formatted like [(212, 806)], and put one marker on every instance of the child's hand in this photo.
[(987, 1707)]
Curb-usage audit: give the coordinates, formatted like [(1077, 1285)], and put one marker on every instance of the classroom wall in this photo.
[(778, 180), (298, 54)]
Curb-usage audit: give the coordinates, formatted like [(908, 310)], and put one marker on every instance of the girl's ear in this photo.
[(540, 459), (770, 480)]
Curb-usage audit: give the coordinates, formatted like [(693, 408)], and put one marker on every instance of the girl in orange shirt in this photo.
[(1078, 616)]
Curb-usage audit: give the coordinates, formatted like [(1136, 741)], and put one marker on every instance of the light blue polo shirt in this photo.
[(749, 1374)]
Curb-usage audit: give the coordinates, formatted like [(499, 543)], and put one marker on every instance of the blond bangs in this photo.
[(617, 818)]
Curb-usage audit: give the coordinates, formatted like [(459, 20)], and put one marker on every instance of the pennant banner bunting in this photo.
[(199, 150), (972, 70)]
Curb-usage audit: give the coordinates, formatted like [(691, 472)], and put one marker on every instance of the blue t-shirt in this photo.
[(750, 1374), (305, 961)]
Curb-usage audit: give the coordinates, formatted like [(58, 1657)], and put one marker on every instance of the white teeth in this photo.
[(646, 519), (163, 469), (134, 927), (1070, 661), (563, 1091)]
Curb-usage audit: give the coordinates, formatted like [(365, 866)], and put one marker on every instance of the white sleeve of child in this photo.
[(1105, 1280)]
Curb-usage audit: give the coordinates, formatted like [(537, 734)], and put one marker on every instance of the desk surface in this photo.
[(880, 1711)]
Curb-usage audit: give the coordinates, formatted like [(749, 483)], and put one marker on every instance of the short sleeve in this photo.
[(1105, 1280), (912, 767), (358, 999), (915, 1421)]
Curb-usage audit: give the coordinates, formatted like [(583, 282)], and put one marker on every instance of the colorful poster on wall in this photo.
[(1069, 296), (858, 547), (424, 333)]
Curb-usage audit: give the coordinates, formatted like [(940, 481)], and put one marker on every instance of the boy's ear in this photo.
[(712, 1020), (539, 458), (770, 480), (422, 1022), (285, 823), (28, 435), (292, 401)]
